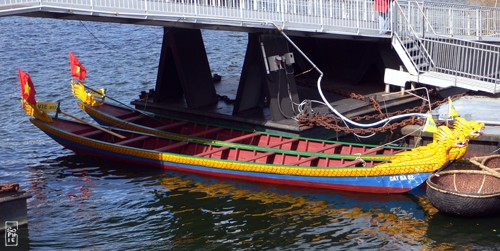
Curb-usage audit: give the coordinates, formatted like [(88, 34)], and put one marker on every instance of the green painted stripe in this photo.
[(219, 143), (140, 151)]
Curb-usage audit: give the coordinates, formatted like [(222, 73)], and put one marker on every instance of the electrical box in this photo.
[(275, 63), (289, 59)]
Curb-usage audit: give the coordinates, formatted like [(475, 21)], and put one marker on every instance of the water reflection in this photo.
[(98, 203), (464, 233), (79, 203)]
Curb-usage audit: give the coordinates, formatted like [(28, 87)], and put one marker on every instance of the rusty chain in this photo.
[(226, 99), (376, 105), (11, 187), (329, 122)]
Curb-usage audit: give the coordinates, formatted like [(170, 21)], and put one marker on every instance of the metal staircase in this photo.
[(438, 60)]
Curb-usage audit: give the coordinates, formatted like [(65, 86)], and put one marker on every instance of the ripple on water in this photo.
[(81, 203)]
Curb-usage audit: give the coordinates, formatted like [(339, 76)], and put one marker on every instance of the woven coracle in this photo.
[(470, 190)]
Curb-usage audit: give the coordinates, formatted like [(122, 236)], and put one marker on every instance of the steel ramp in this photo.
[(400, 78)]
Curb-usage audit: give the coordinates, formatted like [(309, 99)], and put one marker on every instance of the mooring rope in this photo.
[(483, 159)]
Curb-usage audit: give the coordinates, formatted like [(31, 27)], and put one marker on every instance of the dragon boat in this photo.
[(186, 130), (251, 163), (92, 102), (295, 161)]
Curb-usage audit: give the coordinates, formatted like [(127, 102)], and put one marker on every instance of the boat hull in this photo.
[(393, 183)]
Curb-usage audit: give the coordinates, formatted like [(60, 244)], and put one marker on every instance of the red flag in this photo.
[(77, 69), (27, 89)]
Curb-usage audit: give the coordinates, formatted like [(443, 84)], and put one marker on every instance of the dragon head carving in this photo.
[(450, 139), (470, 128)]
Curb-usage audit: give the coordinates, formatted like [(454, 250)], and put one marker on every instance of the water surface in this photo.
[(81, 203)]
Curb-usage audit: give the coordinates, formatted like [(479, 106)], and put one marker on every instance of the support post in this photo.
[(256, 84), (184, 69)]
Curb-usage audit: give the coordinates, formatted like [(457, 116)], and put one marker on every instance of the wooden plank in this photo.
[(271, 146), (171, 147), (314, 157), (358, 161), (91, 133), (209, 131), (226, 147), (256, 157), (171, 125), (132, 119), (183, 143), (268, 153), (281, 143), (302, 160), (132, 140), (94, 125)]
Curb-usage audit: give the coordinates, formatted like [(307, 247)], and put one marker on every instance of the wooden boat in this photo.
[(470, 189), (223, 159), (228, 153), (121, 117)]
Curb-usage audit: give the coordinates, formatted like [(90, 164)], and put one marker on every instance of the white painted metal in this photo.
[(429, 37), (356, 17), (441, 60)]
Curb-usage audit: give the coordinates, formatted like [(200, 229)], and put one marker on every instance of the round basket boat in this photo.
[(470, 190)]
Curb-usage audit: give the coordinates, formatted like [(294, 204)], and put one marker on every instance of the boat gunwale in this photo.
[(372, 171), (351, 157), (241, 129)]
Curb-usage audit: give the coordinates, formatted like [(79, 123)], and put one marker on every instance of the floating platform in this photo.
[(275, 78), (222, 111), (480, 108)]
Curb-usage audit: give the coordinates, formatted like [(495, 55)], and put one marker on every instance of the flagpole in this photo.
[(79, 72)]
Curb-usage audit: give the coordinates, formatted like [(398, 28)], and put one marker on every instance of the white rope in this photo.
[(325, 101), (360, 159)]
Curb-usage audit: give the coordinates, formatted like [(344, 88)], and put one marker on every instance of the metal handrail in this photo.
[(329, 16), (470, 59), (465, 20), (453, 56), (412, 34)]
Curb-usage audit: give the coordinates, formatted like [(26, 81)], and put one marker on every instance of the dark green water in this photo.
[(85, 204)]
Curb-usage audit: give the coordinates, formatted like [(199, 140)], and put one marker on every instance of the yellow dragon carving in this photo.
[(463, 130), (87, 97), (435, 154), (470, 129)]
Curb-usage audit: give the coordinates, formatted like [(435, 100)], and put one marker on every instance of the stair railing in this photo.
[(446, 54), (405, 33)]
